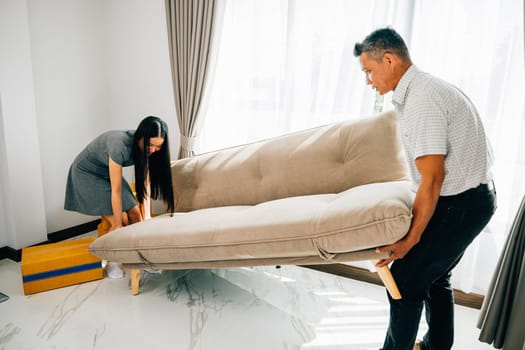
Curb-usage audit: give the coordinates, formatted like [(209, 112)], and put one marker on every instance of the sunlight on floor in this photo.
[(351, 321)]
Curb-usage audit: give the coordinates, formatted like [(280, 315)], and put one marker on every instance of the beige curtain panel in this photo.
[(190, 29)]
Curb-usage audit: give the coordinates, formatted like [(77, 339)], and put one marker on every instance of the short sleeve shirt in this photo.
[(115, 144), (437, 118)]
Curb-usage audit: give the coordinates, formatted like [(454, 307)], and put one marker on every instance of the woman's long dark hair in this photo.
[(157, 164)]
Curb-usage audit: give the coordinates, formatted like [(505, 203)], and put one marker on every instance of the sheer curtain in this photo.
[(288, 65), (283, 66), (480, 49)]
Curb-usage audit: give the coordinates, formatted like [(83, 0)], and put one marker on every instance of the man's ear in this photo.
[(390, 60)]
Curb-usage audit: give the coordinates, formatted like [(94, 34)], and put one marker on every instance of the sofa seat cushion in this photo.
[(321, 225)]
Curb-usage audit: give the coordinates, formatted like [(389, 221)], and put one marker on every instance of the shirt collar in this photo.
[(402, 87)]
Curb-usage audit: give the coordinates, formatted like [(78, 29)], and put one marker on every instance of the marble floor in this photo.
[(261, 308)]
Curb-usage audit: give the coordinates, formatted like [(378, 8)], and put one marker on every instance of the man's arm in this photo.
[(432, 170)]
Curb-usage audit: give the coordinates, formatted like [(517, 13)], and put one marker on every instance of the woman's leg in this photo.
[(111, 220), (134, 215), (130, 217), (113, 269), (125, 219)]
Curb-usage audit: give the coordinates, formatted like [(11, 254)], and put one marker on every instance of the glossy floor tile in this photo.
[(261, 308)]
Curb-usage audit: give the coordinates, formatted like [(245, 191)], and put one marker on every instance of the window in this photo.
[(284, 66)]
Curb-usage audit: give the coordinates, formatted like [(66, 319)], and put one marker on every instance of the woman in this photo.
[(95, 185)]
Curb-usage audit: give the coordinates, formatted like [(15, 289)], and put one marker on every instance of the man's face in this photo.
[(379, 74)]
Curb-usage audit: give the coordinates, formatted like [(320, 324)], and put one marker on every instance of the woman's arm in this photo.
[(146, 205), (115, 178)]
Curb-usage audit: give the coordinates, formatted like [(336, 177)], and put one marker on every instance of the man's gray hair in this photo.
[(381, 41)]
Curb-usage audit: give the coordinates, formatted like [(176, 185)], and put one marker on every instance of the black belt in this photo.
[(488, 187), (485, 187)]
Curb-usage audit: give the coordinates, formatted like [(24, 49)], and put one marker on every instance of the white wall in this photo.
[(138, 64), (139, 75), (89, 66), (6, 224), (20, 175), (68, 55)]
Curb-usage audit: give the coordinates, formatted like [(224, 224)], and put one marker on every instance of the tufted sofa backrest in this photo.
[(326, 159)]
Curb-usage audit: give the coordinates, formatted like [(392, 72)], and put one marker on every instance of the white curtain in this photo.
[(478, 46), (288, 65)]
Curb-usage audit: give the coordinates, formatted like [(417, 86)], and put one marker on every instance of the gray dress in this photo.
[(88, 188)]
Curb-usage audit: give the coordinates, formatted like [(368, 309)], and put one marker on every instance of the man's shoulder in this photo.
[(425, 85), (423, 81), (427, 82)]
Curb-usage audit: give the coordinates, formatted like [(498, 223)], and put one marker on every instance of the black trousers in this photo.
[(423, 275)]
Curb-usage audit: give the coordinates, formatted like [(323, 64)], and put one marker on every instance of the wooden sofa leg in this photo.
[(389, 282), (135, 281)]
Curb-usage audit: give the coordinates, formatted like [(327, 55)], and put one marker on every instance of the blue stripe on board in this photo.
[(61, 272)]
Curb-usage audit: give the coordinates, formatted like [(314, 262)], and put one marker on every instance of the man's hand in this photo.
[(398, 249)]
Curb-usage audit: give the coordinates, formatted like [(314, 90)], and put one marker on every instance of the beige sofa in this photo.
[(328, 194)]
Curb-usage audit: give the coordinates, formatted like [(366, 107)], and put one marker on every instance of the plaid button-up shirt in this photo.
[(438, 118)]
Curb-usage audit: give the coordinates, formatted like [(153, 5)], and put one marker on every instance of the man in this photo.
[(450, 162)]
